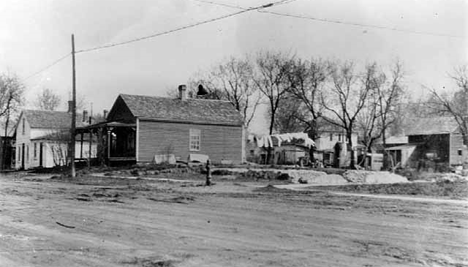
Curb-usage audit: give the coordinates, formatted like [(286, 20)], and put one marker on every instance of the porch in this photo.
[(116, 142)]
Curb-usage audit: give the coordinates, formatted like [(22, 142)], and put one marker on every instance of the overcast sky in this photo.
[(34, 33)]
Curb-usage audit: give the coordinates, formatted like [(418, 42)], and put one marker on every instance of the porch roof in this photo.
[(106, 125)]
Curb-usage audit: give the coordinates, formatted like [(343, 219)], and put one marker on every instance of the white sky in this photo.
[(34, 33)]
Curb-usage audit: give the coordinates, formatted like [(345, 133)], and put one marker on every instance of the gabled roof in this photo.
[(432, 125), (189, 110), (45, 119)]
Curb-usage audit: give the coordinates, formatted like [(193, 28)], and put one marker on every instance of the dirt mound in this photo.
[(315, 177), (371, 177)]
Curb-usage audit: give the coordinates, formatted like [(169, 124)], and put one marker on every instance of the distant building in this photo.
[(6, 149), (331, 145), (286, 148), (433, 142)]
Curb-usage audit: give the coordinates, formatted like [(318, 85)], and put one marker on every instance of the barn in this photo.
[(145, 128)]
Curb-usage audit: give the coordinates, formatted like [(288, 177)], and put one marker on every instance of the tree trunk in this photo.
[(272, 124), (385, 154), (350, 146)]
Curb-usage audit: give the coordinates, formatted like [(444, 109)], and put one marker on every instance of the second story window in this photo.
[(24, 126), (195, 138)]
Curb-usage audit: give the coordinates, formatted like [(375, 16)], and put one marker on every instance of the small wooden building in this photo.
[(140, 128), (435, 142)]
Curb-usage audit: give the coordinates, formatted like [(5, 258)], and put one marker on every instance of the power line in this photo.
[(335, 21), (48, 66), (362, 25), (244, 10)]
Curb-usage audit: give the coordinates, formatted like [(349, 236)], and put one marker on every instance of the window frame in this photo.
[(194, 139), (35, 151)]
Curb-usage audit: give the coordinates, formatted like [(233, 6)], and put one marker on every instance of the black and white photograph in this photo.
[(212, 133)]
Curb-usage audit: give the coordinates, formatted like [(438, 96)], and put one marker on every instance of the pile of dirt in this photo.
[(315, 177), (446, 189), (372, 177)]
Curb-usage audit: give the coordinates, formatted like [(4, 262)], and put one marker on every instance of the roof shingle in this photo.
[(45, 119), (190, 110), (432, 125)]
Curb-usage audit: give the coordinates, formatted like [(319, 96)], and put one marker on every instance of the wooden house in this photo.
[(143, 128), (41, 139), (331, 145), (433, 142)]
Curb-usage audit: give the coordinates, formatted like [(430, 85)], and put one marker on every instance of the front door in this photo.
[(40, 155), (22, 156)]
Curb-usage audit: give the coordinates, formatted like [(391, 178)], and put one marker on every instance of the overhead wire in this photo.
[(335, 21), (48, 66), (362, 24), (244, 10)]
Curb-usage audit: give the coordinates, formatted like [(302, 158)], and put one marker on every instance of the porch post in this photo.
[(90, 147), (109, 142), (81, 146), (137, 140)]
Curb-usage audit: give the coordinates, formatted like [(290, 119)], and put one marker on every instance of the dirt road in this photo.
[(148, 223)]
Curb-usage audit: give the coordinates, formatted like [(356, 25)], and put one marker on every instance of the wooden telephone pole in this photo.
[(73, 111)]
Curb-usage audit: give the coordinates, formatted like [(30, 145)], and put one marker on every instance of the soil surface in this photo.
[(105, 221)]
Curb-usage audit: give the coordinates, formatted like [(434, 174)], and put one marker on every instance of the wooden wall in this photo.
[(456, 143), (218, 142)]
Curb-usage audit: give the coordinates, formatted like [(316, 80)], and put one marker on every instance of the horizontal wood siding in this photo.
[(218, 142), (456, 143)]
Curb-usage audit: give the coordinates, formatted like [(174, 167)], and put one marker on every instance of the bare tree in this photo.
[(347, 98), (307, 80), (11, 98), (232, 80), (291, 116), (47, 99), (381, 108), (270, 78), (455, 103)]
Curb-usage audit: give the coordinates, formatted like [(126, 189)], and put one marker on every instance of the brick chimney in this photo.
[(70, 106), (85, 115), (183, 92)]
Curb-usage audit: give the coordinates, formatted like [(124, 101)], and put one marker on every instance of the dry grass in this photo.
[(446, 189)]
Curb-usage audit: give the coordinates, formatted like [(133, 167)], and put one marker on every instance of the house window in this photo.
[(19, 154), (195, 137), (27, 153), (331, 137), (24, 126), (339, 137)]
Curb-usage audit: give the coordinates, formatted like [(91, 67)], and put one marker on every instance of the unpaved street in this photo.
[(150, 223)]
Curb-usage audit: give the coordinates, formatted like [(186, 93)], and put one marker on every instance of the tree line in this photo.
[(304, 94), (301, 95)]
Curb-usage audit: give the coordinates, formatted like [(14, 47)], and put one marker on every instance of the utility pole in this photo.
[(73, 124)]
